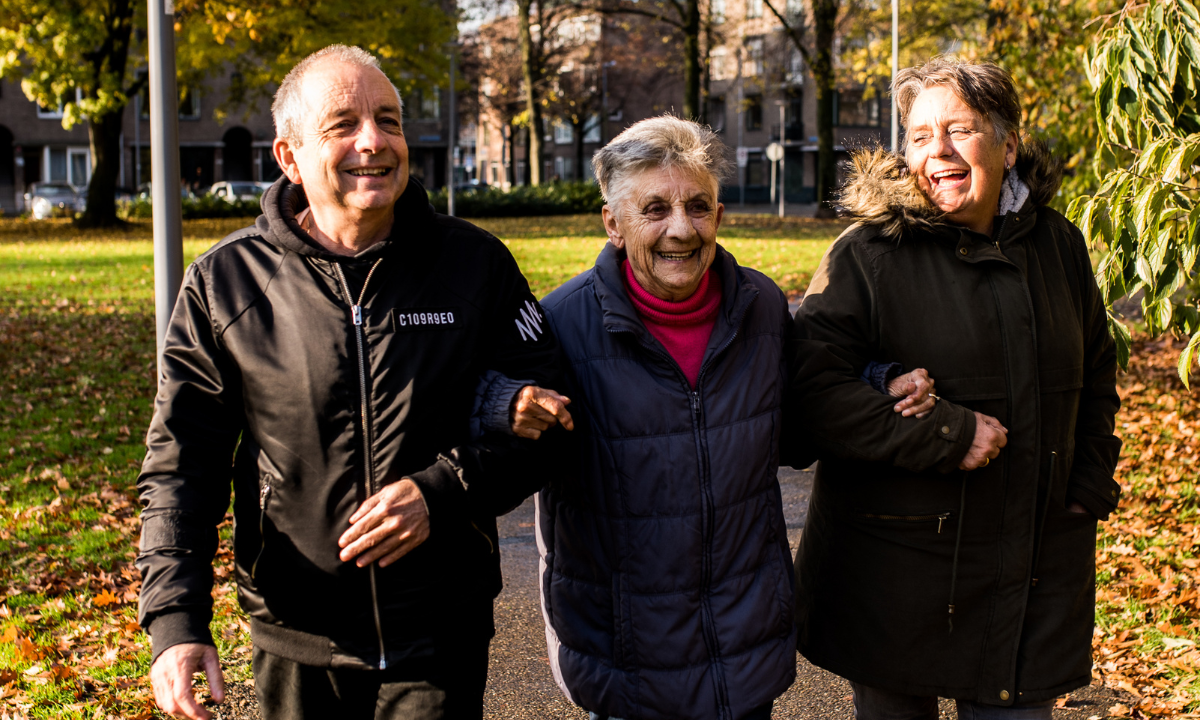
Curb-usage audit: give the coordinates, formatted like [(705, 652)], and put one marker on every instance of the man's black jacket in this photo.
[(285, 375)]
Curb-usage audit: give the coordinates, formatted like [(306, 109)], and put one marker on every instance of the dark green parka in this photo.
[(914, 576)]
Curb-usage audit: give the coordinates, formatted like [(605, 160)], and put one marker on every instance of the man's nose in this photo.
[(370, 138)]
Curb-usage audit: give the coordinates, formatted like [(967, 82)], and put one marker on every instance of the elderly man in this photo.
[(323, 362)]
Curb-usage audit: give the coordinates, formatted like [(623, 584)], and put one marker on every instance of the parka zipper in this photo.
[(1037, 543), (364, 414), (940, 517), (263, 496)]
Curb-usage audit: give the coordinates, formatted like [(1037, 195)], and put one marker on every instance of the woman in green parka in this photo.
[(956, 568)]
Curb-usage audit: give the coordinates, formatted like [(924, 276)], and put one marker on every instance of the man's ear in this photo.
[(610, 226), (284, 155)]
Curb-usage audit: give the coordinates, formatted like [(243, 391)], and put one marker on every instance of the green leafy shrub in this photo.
[(560, 198), (1145, 67), (198, 208)]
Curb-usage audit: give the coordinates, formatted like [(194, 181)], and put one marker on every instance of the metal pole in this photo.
[(783, 157), (164, 166), (453, 135), (137, 142), (895, 69)]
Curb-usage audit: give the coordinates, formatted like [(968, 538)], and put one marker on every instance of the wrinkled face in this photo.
[(352, 157), (667, 224), (954, 154)]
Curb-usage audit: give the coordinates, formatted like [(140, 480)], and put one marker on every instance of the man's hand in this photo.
[(171, 676), (536, 409), (388, 526), (916, 388), (990, 436)]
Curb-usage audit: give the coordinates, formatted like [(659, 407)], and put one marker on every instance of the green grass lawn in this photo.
[(77, 371)]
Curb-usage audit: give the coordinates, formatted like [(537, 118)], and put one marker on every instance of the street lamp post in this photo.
[(164, 166), (895, 69), (453, 131), (783, 155)]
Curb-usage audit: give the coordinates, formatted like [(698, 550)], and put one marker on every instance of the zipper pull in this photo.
[(356, 313), (941, 519), (262, 497)]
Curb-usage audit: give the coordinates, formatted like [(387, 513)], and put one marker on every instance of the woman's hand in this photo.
[(536, 409), (990, 436), (916, 388)]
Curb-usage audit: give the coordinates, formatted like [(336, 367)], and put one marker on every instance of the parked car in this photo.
[(51, 199), (237, 190)]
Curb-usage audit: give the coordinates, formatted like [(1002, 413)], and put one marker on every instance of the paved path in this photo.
[(520, 686)]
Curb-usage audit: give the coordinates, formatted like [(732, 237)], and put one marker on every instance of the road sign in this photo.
[(743, 157), (774, 151)]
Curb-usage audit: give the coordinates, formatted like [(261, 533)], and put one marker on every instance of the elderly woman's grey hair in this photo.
[(288, 107), (986, 88), (659, 142)]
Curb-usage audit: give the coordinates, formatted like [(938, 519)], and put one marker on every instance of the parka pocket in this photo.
[(935, 520)]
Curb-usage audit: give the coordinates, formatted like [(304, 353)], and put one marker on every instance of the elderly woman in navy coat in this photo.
[(666, 575)]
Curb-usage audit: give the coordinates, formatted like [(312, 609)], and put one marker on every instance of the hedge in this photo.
[(559, 198), (205, 206)]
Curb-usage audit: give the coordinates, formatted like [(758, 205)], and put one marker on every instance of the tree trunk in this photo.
[(104, 135), (691, 60), (530, 73), (824, 14)]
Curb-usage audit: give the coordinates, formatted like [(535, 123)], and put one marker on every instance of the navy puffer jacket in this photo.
[(666, 577)]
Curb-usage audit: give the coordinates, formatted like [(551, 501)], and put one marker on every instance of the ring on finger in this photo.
[(935, 398), (986, 461)]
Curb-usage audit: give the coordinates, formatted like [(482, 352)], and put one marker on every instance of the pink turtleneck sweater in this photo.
[(682, 327)]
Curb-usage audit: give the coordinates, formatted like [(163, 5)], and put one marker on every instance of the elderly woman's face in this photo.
[(954, 154), (667, 224)]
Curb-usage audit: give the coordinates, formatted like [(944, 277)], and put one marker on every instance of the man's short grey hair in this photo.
[(986, 88), (659, 142), (288, 109)]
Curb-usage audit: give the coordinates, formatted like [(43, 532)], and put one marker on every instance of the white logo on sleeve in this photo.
[(529, 322)]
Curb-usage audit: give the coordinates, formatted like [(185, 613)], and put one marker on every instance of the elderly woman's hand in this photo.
[(536, 409), (916, 388), (990, 436)]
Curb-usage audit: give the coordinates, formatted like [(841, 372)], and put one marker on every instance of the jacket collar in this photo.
[(737, 293), (284, 200)]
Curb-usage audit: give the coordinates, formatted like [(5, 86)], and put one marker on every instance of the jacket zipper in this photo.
[(1041, 533), (940, 517), (263, 496), (710, 631), (368, 459)]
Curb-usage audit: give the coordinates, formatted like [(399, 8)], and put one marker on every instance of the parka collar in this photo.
[(284, 200), (880, 191), (737, 292)]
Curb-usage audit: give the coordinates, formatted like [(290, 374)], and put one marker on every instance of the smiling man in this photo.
[(323, 365)]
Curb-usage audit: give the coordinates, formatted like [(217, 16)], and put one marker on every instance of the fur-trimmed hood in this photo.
[(879, 190)]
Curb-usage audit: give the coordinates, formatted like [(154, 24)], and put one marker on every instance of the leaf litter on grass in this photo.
[(77, 369)]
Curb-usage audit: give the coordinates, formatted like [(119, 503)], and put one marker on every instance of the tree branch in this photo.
[(795, 34)]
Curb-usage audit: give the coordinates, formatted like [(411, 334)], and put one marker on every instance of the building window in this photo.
[(718, 64), (718, 11), (754, 8), (754, 57), (56, 113), (424, 104), (591, 129), (851, 110), (754, 112), (757, 170), (189, 105), (564, 134), (716, 113)]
